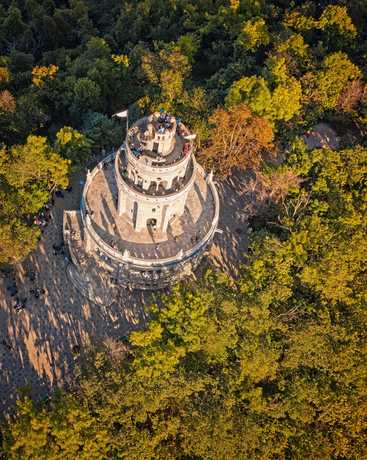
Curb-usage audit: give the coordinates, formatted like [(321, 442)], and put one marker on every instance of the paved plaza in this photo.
[(38, 343)]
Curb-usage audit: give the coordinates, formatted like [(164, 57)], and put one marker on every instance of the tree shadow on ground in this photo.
[(229, 247), (44, 335)]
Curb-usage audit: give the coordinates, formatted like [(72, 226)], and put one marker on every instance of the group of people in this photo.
[(164, 121), (37, 292), (58, 249), (137, 151), (43, 217), (19, 303), (103, 256)]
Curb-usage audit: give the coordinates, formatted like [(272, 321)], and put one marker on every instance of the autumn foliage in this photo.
[(270, 365), (7, 101), (237, 140), (41, 73), (352, 95)]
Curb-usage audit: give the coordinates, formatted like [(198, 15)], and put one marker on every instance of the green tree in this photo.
[(286, 100), (326, 85), (339, 30), (281, 104), (254, 34), (73, 145), (251, 91), (34, 162), (336, 20), (102, 131), (13, 25), (17, 238), (166, 71), (28, 173), (85, 95)]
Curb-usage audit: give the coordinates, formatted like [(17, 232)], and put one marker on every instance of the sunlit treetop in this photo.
[(42, 73)]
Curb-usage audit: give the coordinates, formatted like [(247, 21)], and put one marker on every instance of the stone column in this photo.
[(121, 206), (87, 237), (209, 177), (146, 184), (165, 218)]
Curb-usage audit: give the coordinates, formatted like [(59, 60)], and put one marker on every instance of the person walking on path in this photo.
[(7, 344)]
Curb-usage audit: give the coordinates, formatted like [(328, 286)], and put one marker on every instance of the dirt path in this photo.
[(321, 136)]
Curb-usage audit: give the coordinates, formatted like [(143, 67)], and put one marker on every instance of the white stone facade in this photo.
[(156, 173)]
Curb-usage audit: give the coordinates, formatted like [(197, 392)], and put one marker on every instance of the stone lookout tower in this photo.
[(148, 212)]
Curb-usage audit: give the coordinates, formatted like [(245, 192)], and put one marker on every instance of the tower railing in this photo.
[(167, 195), (156, 166)]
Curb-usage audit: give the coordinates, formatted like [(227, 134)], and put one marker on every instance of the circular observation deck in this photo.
[(157, 151), (179, 184)]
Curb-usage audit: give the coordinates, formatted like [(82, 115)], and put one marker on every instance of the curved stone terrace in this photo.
[(92, 277), (178, 184), (183, 234)]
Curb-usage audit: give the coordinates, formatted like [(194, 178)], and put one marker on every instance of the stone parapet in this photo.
[(154, 167)]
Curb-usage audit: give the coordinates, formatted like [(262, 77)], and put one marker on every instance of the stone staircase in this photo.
[(100, 295)]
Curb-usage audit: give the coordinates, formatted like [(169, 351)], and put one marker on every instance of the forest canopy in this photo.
[(270, 365)]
